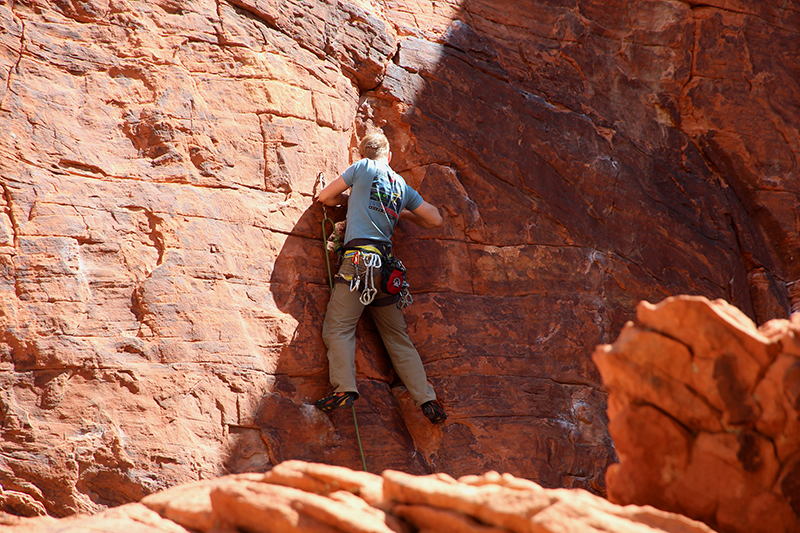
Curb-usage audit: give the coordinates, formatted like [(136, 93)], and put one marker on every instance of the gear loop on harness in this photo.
[(405, 299), (369, 260), (371, 263)]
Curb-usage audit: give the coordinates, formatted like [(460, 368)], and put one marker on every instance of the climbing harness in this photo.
[(371, 262), (368, 257), (367, 261), (337, 244)]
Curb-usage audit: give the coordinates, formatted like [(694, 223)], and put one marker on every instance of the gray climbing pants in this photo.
[(339, 333)]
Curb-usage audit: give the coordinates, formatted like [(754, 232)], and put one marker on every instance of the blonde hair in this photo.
[(374, 146)]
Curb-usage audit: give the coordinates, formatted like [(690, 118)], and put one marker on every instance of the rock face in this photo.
[(163, 279), (306, 497), (704, 410)]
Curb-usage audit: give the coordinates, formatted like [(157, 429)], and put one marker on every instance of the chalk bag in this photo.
[(393, 276)]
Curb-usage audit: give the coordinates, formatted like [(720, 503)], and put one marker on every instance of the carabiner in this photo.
[(372, 261), (367, 296)]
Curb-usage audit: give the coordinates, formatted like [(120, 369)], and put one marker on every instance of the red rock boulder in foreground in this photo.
[(704, 411), (306, 497)]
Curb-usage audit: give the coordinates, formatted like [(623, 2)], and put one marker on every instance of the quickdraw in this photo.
[(371, 262), (405, 298), (356, 280)]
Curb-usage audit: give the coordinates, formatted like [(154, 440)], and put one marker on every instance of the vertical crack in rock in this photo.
[(15, 238), (156, 235), (220, 30), (790, 487), (11, 216), (276, 170), (137, 305), (16, 64), (693, 61)]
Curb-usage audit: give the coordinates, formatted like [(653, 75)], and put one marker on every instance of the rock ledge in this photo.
[(296, 496)]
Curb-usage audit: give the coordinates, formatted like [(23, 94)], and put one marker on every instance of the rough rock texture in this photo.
[(704, 410), (162, 278), (306, 497)]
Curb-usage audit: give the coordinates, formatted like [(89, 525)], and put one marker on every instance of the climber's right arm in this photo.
[(334, 193)]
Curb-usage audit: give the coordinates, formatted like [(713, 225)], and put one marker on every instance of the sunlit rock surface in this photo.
[(305, 497)]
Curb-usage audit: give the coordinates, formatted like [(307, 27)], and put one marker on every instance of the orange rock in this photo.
[(325, 479), (190, 504), (656, 370), (683, 460), (779, 420), (476, 504), (727, 371), (576, 512), (428, 518), (491, 504), (654, 451), (263, 507), (132, 518)]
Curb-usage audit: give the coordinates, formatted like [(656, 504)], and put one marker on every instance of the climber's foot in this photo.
[(434, 411), (336, 400)]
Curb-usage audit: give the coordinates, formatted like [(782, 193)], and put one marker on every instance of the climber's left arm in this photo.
[(426, 216)]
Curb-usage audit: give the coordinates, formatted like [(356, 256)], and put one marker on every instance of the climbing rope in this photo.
[(325, 219), (358, 438)]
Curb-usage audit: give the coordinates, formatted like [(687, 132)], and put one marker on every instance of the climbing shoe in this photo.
[(336, 400), (434, 411)]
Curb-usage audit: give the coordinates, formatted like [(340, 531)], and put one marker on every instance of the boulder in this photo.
[(704, 414), (319, 498)]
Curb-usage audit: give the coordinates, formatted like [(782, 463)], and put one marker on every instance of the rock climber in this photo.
[(379, 198)]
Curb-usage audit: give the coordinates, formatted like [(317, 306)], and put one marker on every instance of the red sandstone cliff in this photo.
[(163, 279)]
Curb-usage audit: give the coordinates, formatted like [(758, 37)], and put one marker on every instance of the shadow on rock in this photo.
[(283, 423)]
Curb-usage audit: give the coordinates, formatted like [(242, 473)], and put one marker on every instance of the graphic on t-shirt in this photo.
[(384, 197)]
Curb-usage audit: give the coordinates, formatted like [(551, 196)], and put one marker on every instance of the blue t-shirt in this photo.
[(377, 196)]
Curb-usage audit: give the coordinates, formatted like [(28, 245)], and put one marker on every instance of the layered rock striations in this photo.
[(163, 275), (704, 410), (305, 497)]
